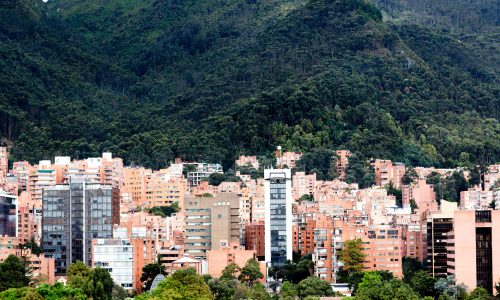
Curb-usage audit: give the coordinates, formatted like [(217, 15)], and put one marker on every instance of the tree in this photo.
[(230, 271), (99, 285), (373, 287), (15, 293), (320, 161), (391, 190), (35, 248), (492, 204), (13, 273), (165, 211), (410, 266), (447, 287), (479, 293), (59, 291), (436, 180), (223, 289), (410, 176), (306, 197), (314, 286), (288, 291), (119, 293), (183, 284), (33, 295), (454, 184), (258, 292), (359, 171), (78, 274), (369, 284), (423, 283), (216, 179), (413, 205), (250, 272), (149, 273), (352, 256), (295, 272)]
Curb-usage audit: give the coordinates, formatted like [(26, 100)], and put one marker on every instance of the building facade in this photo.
[(254, 239), (278, 216), (210, 223), (73, 214), (473, 248), (8, 214), (117, 257)]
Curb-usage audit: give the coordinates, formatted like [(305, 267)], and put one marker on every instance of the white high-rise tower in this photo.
[(278, 218)]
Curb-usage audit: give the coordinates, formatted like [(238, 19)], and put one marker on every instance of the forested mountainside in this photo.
[(470, 16), (150, 80), (475, 23)]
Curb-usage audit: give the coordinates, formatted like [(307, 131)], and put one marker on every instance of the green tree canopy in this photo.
[(149, 273), (216, 179), (78, 274), (250, 272), (288, 291), (165, 211), (423, 283), (410, 266), (321, 161), (314, 286), (352, 255), (58, 291), (373, 287), (359, 171), (99, 284), (13, 273), (223, 289), (231, 271), (410, 176), (479, 293), (119, 293), (183, 284)]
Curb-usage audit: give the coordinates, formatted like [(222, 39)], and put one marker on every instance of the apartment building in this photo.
[(164, 190), (435, 227), (303, 184), (278, 219), (210, 223), (473, 247), (41, 267), (303, 233), (117, 257), (289, 159), (201, 172), (342, 162), (8, 214), (218, 259), (254, 238), (135, 182), (247, 161), (476, 199), (73, 214), (386, 172)]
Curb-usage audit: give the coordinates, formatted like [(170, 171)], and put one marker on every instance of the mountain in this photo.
[(475, 23), (150, 80), (460, 16)]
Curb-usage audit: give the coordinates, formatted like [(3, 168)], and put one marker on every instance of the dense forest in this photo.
[(452, 15), (150, 80)]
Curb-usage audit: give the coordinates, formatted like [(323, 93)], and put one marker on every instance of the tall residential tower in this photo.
[(73, 215), (278, 216)]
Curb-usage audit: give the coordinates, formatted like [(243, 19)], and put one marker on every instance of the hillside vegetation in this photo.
[(151, 80)]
